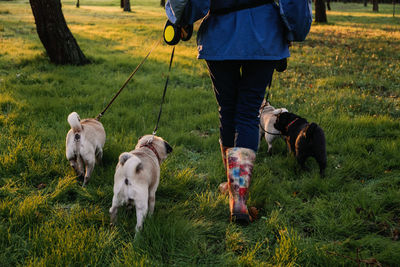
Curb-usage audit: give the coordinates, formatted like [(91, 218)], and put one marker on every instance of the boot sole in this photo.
[(239, 218)]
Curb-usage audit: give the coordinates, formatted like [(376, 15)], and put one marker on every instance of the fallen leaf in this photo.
[(253, 211), (223, 188), (41, 186)]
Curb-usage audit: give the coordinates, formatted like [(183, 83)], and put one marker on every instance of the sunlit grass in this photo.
[(345, 77)]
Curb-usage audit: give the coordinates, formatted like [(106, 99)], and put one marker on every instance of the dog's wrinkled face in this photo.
[(282, 120), (162, 147)]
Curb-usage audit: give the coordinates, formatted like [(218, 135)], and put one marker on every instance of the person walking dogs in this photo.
[(242, 42)]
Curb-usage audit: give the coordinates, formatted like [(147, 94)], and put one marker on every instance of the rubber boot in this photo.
[(223, 152), (223, 187), (239, 169)]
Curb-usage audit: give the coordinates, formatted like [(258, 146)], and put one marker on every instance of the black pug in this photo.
[(303, 139)]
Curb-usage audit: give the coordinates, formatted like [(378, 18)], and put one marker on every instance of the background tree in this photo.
[(328, 4), (162, 3), (54, 33), (365, 2), (320, 11), (375, 6), (127, 5)]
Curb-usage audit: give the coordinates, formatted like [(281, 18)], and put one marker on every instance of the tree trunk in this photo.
[(365, 2), (127, 6), (375, 6), (77, 3), (54, 34), (122, 3), (162, 3), (320, 11), (328, 4)]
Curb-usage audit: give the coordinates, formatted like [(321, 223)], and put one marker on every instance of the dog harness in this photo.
[(151, 147), (290, 124)]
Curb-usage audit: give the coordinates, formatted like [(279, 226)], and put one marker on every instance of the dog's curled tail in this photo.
[(124, 157), (75, 122), (131, 160)]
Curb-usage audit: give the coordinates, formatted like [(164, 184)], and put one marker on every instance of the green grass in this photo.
[(346, 77)]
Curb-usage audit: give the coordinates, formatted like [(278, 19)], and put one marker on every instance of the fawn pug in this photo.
[(303, 139), (267, 120), (84, 144), (137, 176)]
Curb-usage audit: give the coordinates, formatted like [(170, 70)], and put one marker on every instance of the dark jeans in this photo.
[(239, 87)]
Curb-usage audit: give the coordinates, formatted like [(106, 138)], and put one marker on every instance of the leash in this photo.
[(265, 131), (127, 81), (163, 97), (269, 89)]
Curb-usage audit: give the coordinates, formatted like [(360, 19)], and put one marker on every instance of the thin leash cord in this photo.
[(265, 131), (165, 90), (127, 80), (266, 99), (269, 89)]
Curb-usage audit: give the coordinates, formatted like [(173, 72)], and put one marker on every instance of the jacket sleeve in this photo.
[(184, 12)]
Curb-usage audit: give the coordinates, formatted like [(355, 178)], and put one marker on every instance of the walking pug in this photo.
[(137, 176), (267, 120), (84, 144), (303, 139)]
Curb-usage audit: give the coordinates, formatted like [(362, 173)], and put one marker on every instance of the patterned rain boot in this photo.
[(239, 168), (223, 187)]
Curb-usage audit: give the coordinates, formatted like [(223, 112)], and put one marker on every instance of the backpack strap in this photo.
[(222, 7)]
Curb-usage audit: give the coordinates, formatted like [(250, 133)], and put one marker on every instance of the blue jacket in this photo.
[(249, 34)]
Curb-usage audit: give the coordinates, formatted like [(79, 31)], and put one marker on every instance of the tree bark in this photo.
[(77, 3), (365, 2), (127, 6), (162, 3), (122, 3), (328, 4), (320, 11), (375, 6), (54, 33)]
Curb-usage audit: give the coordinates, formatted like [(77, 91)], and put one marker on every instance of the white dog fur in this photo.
[(84, 144), (267, 119), (137, 176)]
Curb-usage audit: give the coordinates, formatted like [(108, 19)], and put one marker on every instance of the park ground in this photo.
[(345, 77)]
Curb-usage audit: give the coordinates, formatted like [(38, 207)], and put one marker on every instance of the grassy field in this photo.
[(346, 77)]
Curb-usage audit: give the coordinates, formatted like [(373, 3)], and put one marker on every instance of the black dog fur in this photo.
[(303, 139)]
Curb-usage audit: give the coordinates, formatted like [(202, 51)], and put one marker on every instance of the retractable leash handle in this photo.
[(174, 33)]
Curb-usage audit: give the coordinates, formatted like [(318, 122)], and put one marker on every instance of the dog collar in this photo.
[(290, 124), (151, 147)]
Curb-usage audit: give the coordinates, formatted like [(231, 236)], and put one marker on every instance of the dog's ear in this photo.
[(139, 167), (168, 148), (279, 111)]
